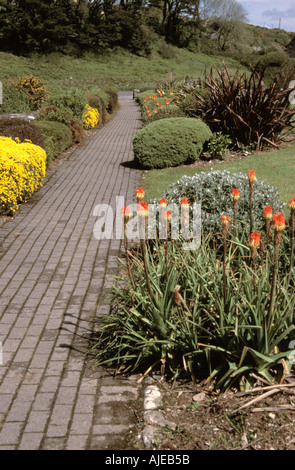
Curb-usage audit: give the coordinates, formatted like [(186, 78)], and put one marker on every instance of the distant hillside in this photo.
[(121, 69)]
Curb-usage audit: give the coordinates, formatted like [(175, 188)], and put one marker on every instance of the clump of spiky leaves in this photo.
[(190, 324), (242, 107)]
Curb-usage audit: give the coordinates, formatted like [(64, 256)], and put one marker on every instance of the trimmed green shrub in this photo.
[(72, 103), (53, 113), (77, 130), (170, 142), (113, 100), (20, 129), (57, 138), (14, 100)]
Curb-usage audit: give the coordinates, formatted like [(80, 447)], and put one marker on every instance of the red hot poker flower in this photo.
[(168, 215), (225, 219), (255, 239), (252, 176), (292, 203), (139, 193), (143, 208), (184, 201), (126, 212), (235, 194), (278, 222), (163, 202), (267, 211)]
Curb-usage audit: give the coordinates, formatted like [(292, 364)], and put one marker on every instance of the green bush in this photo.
[(113, 100), (218, 145), (20, 129), (72, 103), (57, 138), (275, 64), (170, 142), (53, 113), (213, 190), (14, 100)]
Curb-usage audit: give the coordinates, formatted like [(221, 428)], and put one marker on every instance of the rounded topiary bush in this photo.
[(22, 130), (170, 142)]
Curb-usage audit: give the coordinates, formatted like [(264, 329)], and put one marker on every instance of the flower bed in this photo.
[(222, 312)]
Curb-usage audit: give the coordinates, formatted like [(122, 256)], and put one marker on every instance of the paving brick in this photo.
[(53, 274)]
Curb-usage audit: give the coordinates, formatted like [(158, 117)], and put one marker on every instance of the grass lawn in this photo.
[(276, 168)]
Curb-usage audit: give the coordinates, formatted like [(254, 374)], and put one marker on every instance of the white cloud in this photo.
[(267, 13)]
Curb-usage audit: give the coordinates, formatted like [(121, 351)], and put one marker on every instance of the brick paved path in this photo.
[(52, 274)]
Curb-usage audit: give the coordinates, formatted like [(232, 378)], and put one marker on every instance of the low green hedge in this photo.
[(170, 142), (57, 138)]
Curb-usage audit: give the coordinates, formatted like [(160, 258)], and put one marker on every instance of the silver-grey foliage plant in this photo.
[(213, 190)]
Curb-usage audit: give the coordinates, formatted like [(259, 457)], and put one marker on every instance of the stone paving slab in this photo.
[(53, 273)]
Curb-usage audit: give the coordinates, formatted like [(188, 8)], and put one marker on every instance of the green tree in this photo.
[(35, 25)]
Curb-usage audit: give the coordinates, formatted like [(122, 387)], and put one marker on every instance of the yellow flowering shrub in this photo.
[(34, 89), (22, 169), (90, 117)]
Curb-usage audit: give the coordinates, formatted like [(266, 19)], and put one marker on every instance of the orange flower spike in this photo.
[(184, 201), (143, 208), (255, 239), (163, 202), (252, 176), (292, 203), (126, 212), (267, 211), (139, 193), (278, 222), (168, 215), (235, 194), (225, 219)]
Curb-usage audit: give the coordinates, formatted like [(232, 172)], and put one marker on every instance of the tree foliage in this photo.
[(75, 26)]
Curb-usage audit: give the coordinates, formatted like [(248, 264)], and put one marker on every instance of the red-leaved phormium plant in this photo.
[(241, 106)]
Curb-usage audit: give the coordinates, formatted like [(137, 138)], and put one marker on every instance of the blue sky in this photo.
[(268, 13)]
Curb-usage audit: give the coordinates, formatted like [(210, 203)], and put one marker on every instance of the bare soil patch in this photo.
[(206, 420)]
